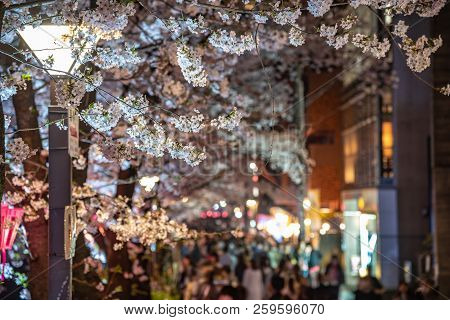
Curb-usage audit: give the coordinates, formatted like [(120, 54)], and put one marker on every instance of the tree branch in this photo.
[(28, 4)]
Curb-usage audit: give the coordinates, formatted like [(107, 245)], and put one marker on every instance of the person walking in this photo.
[(334, 276), (253, 282)]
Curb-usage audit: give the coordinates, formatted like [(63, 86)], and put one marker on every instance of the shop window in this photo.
[(350, 152), (387, 151)]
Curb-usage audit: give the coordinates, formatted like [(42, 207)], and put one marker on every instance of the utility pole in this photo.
[(300, 117), (60, 196)]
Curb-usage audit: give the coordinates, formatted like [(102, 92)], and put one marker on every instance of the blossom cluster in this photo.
[(19, 151), (177, 26), (69, 93), (147, 139), (7, 88), (377, 48), (229, 121), (149, 228), (31, 194), (229, 42), (189, 124), (116, 150), (297, 36), (191, 65), (92, 80), (121, 57), (319, 7), (333, 38), (150, 140), (108, 19), (11, 81), (424, 8), (418, 53), (189, 153), (445, 90), (100, 117), (286, 16), (116, 214)]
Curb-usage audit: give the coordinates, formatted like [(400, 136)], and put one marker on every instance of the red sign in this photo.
[(10, 219)]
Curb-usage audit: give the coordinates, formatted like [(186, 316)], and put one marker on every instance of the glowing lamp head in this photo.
[(51, 46)]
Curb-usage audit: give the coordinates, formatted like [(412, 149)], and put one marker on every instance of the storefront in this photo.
[(360, 234)]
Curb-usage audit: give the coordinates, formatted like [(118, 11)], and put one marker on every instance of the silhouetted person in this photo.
[(334, 276), (253, 282), (277, 284), (228, 293), (426, 290), (365, 290), (240, 268), (403, 292)]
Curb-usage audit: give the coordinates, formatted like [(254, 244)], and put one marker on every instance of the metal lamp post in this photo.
[(48, 43)]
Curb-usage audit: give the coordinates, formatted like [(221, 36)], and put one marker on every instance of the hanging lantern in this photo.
[(10, 219)]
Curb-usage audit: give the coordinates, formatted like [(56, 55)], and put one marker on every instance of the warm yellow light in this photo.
[(363, 272), (350, 150), (307, 204), (325, 210), (387, 136), (295, 228), (185, 199), (251, 203), (307, 222), (361, 203), (51, 42), (223, 203), (286, 233), (326, 226)]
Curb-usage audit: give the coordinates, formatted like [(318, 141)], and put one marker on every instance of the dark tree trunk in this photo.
[(37, 231), (118, 261), (2, 122)]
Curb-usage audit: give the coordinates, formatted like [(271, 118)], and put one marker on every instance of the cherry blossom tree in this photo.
[(183, 90)]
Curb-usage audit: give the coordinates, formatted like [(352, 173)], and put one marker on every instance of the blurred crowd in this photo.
[(254, 269)]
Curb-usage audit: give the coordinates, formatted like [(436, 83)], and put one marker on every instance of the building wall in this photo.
[(323, 137), (412, 102), (441, 153), (388, 240), (360, 138)]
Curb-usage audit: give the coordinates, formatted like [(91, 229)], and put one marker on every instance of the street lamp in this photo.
[(50, 43)]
